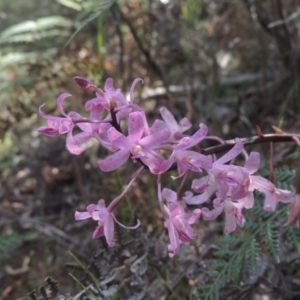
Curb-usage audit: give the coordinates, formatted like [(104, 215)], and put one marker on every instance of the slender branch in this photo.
[(115, 202), (266, 138)]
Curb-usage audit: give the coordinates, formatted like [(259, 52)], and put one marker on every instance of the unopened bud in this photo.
[(88, 85)]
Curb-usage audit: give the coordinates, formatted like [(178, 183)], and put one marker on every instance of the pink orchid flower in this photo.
[(233, 213), (175, 128), (61, 125), (105, 218), (179, 226), (134, 144), (191, 160), (178, 220), (221, 178), (272, 194)]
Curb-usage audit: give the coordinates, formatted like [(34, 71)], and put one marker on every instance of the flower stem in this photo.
[(115, 202)]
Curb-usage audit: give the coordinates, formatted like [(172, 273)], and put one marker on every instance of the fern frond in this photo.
[(270, 237), (252, 225), (284, 173), (224, 252), (293, 155), (231, 240), (293, 235), (253, 252)]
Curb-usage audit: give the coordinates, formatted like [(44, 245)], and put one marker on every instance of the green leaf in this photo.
[(36, 26), (270, 237), (92, 15), (253, 252), (295, 15), (71, 4)]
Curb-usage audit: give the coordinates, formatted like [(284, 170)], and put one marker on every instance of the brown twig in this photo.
[(266, 138)]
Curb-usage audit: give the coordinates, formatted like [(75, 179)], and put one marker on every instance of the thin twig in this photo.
[(266, 138)]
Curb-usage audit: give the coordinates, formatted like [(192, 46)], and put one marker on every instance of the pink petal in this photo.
[(157, 126), (47, 117), (184, 229), (270, 202), (82, 137), (230, 223), (81, 215), (252, 163), (90, 208), (118, 139), (156, 163), (194, 216), (169, 195), (284, 196), (109, 85), (184, 125), (95, 107), (48, 131), (133, 87), (153, 140), (109, 230), (211, 214), (60, 101), (169, 119), (198, 136), (199, 185), (196, 200), (99, 231), (248, 201), (72, 146), (174, 239), (231, 154), (262, 184), (114, 161), (194, 161), (135, 126)]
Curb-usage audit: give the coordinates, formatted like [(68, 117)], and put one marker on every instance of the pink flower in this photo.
[(191, 160), (179, 226), (112, 99), (135, 144), (179, 220), (222, 178), (175, 128), (105, 219), (233, 213), (272, 194), (61, 125)]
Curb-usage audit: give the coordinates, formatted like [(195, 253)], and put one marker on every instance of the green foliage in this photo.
[(11, 242), (92, 14), (293, 235), (284, 177), (260, 233), (295, 15), (253, 252), (31, 31), (270, 238)]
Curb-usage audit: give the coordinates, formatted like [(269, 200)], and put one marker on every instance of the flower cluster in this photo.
[(218, 186)]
